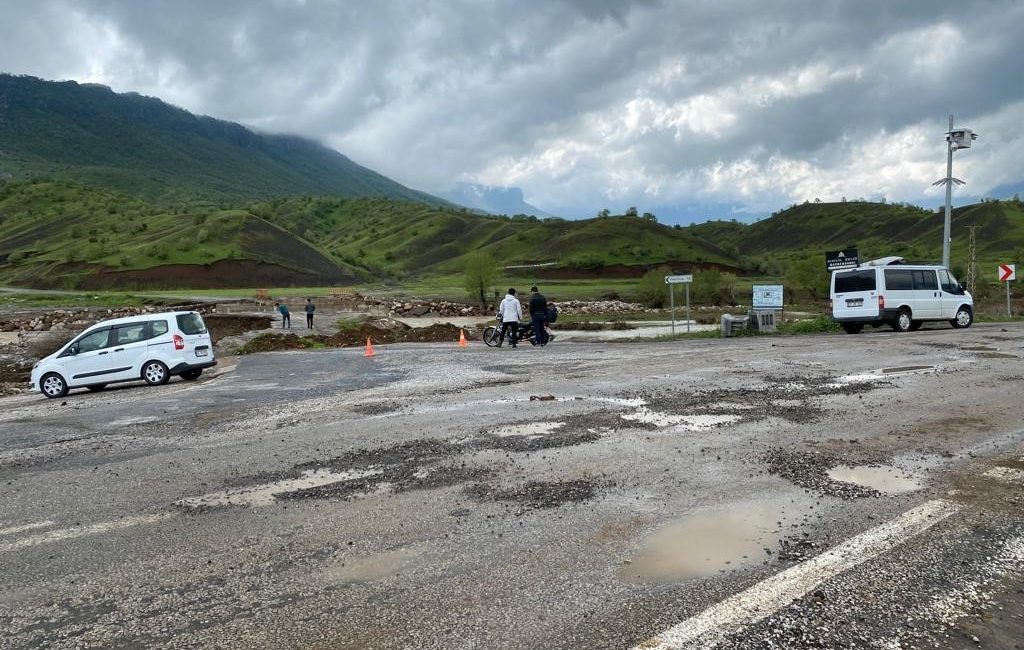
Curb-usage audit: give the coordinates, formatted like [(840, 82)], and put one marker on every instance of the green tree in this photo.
[(652, 288), (481, 275), (807, 275), (631, 211)]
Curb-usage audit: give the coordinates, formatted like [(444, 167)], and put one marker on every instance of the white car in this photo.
[(149, 347), (889, 292)]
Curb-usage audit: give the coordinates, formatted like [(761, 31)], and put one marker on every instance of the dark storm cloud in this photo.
[(583, 103)]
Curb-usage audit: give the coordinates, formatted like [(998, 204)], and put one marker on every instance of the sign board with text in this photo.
[(844, 259), (767, 296), (678, 279)]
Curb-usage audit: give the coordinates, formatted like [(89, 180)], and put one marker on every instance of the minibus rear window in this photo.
[(849, 281), (191, 323)]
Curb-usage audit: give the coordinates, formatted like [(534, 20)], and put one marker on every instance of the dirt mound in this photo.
[(396, 333), (217, 275), (224, 325)]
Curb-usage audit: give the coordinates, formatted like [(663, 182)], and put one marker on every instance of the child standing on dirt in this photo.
[(310, 308), (286, 317)]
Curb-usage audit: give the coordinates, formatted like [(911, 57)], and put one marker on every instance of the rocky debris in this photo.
[(601, 307), (811, 471), (75, 320), (413, 307), (536, 495)]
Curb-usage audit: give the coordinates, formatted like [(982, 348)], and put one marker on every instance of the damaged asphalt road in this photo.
[(665, 497)]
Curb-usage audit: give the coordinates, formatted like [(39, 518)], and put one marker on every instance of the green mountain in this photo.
[(145, 148), (876, 230), (59, 234)]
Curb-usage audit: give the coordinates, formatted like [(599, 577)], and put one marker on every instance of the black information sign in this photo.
[(845, 259)]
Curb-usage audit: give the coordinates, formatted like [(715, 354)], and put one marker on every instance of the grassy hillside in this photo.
[(59, 234), (148, 149), (406, 238), (876, 230), (55, 234)]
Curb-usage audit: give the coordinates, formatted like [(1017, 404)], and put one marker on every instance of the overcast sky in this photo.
[(722, 108)]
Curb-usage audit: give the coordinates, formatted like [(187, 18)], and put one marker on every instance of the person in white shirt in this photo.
[(511, 313)]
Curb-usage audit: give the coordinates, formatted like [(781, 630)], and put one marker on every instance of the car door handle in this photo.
[(118, 349), (104, 352)]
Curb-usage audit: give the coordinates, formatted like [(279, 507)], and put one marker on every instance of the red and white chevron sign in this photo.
[(1007, 272)]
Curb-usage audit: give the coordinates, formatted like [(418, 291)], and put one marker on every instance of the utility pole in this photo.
[(959, 139), (972, 259)]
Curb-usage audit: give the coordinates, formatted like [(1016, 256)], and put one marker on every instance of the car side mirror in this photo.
[(73, 350), (962, 289)]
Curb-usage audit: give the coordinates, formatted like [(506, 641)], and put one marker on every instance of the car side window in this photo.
[(94, 341), (129, 333), (925, 280), (158, 328)]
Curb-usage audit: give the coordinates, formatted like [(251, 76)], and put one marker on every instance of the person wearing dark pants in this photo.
[(538, 314), (286, 317), (511, 313), (310, 308)]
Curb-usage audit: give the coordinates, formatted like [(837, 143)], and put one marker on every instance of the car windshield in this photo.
[(191, 323)]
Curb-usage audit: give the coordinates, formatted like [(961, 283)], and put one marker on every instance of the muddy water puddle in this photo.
[(708, 542), (887, 479), (370, 568)]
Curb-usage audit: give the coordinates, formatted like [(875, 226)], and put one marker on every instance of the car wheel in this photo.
[(916, 325), (155, 373), (53, 385), (902, 322), (964, 317), (853, 328), (492, 336), (190, 375), (96, 387)]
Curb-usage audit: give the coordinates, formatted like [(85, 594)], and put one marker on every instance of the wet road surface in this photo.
[(816, 491)]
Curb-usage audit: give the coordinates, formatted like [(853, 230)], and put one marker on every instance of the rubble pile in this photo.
[(426, 308), (601, 307), (75, 320)]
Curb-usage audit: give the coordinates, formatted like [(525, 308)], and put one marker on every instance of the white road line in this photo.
[(14, 530), (772, 594), (82, 531)]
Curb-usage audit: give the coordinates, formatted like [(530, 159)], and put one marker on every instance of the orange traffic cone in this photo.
[(463, 343), (369, 347)]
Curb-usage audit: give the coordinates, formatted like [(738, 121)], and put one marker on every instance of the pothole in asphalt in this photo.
[(887, 479), (706, 543), (265, 494), (811, 471), (528, 429), (417, 465), (370, 568), (644, 415), (905, 369), (376, 408), (536, 495)]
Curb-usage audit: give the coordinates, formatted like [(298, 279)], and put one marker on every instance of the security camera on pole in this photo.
[(955, 139)]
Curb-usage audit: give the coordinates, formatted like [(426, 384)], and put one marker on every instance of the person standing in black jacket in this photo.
[(538, 313)]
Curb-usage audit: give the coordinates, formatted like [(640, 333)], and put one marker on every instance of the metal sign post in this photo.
[(679, 279), (1007, 273)]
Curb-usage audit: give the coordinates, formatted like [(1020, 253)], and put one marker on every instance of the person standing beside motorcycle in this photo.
[(511, 313), (538, 314)]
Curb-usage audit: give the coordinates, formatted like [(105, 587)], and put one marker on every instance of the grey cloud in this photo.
[(436, 91)]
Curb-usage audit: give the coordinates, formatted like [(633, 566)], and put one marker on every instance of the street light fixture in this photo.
[(955, 139)]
